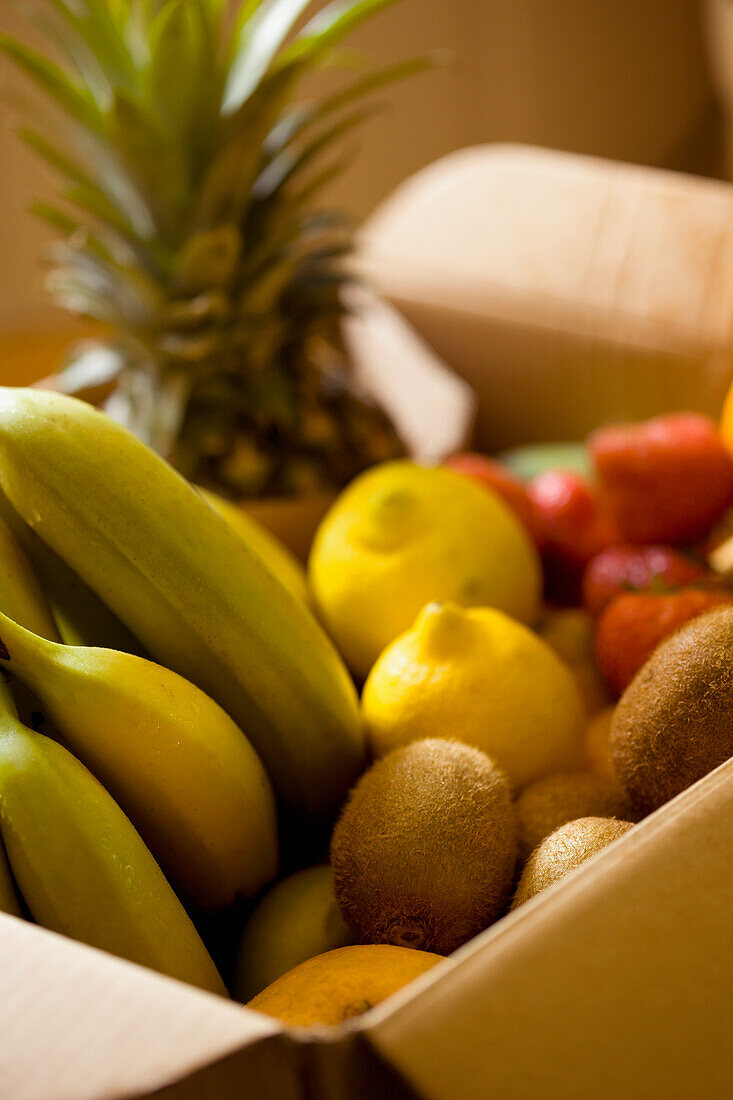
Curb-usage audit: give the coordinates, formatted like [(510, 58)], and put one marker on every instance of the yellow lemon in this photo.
[(482, 678), (401, 535), (340, 984)]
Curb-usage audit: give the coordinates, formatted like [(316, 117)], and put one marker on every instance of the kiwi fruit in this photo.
[(550, 802), (674, 722), (564, 850), (297, 918), (424, 852)]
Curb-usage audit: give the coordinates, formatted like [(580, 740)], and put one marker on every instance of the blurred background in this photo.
[(643, 82)]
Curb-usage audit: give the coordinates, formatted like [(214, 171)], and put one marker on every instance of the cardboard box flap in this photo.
[(595, 243), (567, 290), (432, 408), (86, 1026), (617, 983)]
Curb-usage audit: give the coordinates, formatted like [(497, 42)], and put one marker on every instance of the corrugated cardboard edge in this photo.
[(567, 290), (585, 243), (616, 983), (78, 1024)]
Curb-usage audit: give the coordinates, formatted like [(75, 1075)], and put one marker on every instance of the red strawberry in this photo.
[(621, 568), (633, 625), (503, 482), (573, 527), (666, 480)]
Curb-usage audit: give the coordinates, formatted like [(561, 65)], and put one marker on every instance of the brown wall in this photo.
[(620, 79)]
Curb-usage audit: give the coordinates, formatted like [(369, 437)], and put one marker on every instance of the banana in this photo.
[(79, 615), (20, 593), (187, 778), (270, 550), (188, 587), (8, 896), (79, 864), (23, 600)]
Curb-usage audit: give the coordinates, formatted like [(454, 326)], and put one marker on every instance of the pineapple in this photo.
[(191, 228)]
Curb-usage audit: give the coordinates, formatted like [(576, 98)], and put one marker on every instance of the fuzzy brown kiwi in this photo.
[(564, 850), (548, 803), (424, 852), (674, 722)]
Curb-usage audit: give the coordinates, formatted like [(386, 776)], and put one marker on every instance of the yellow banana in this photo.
[(20, 593), (8, 896), (187, 587), (79, 864), (273, 553), (187, 778), (79, 615)]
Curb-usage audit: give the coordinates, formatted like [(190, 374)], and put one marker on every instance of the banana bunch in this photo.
[(80, 866), (160, 781), (190, 588)]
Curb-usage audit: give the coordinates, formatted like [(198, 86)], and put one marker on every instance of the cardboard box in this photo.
[(615, 983), (567, 290)]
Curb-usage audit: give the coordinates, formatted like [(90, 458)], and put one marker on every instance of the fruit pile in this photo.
[(184, 754)]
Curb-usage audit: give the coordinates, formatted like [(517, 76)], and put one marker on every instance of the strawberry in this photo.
[(573, 527), (634, 623), (500, 480), (623, 568), (667, 480)]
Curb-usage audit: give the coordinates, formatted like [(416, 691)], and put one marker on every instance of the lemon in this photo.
[(402, 535), (482, 678)]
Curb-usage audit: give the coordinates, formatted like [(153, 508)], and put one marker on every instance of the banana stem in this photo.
[(21, 651)]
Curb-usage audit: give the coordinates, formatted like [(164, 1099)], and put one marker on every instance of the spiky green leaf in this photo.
[(94, 23), (260, 37), (73, 98), (57, 158), (95, 202), (285, 167), (329, 27), (225, 190), (152, 161), (179, 71)]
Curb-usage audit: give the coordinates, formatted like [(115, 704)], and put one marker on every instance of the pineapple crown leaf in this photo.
[(72, 97), (181, 156), (189, 186), (330, 26), (283, 168), (258, 39), (91, 26)]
